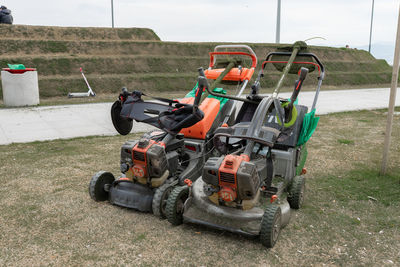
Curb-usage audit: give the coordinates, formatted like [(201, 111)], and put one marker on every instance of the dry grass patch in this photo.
[(48, 218)]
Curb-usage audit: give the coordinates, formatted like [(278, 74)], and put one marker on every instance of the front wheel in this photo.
[(175, 203), (270, 226), (160, 199), (97, 184)]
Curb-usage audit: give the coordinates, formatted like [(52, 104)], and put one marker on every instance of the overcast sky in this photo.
[(340, 22)]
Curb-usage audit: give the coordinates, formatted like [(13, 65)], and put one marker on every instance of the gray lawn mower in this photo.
[(251, 188)]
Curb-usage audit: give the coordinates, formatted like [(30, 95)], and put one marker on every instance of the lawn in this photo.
[(351, 215)]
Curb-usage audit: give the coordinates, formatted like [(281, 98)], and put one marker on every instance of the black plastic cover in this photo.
[(131, 195)]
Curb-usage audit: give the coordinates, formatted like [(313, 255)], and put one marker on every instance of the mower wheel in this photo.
[(97, 183), (296, 192), (175, 202), (160, 199), (270, 226)]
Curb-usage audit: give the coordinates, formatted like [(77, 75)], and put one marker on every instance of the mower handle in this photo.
[(248, 48), (319, 64), (213, 59), (240, 46)]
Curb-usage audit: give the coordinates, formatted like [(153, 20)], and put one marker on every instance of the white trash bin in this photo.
[(20, 87)]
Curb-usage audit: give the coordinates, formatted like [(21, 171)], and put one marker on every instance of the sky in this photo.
[(339, 22)]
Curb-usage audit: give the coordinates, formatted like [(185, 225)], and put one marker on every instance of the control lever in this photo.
[(202, 84), (297, 87)]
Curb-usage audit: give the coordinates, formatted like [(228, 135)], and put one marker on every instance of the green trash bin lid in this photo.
[(16, 66)]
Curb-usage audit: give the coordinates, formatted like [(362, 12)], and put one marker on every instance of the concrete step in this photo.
[(125, 64), (75, 33), (19, 47), (66, 65)]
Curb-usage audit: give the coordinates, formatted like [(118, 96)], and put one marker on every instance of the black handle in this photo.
[(202, 83), (201, 72), (297, 85)]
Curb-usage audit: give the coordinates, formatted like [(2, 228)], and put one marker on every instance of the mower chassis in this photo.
[(137, 196), (199, 209)]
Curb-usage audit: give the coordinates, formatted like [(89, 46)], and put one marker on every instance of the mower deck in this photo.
[(200, 210)]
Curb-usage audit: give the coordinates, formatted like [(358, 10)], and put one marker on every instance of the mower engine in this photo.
[(232, 181), (145, 161)]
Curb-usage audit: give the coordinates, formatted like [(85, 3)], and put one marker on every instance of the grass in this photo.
[(346, 141), (350, 217)]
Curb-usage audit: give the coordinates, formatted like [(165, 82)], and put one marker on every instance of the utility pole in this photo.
[(112, 13), (392, 100), (278, 23), (370, 29)]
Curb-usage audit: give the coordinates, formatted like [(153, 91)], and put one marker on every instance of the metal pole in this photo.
[(112, 13), (370, 29), (278, 23), (393, 89)]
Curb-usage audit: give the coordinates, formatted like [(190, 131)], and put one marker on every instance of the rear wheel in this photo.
[(270, 226), (97, 183), (160, 199), (296, 192), (174, 207)]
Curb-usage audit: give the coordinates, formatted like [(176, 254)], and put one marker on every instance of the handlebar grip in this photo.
[(303, 73), (201, 72)]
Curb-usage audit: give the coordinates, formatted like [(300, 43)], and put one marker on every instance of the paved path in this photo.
[(20, 125)]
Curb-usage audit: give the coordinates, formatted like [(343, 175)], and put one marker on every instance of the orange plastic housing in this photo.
[(229, 168), (210, 107), (233, 75), (139, 166)]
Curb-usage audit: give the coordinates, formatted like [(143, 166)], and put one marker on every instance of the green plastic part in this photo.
[(16, 66), (294, 115), (222, 100), (310, 123), (303, 158)]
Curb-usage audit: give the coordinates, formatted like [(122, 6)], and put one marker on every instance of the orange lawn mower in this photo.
[(251, 187), (162, 159)]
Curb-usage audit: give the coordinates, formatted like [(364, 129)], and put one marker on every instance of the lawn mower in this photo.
[(164, 158), (251, 188)]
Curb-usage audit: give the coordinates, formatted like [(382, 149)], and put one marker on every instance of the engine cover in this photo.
[(149, 159), (144, 159), (210, 170), (248, 181), (235, 177)]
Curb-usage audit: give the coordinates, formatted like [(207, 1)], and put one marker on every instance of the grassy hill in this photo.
[(137, 59)]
